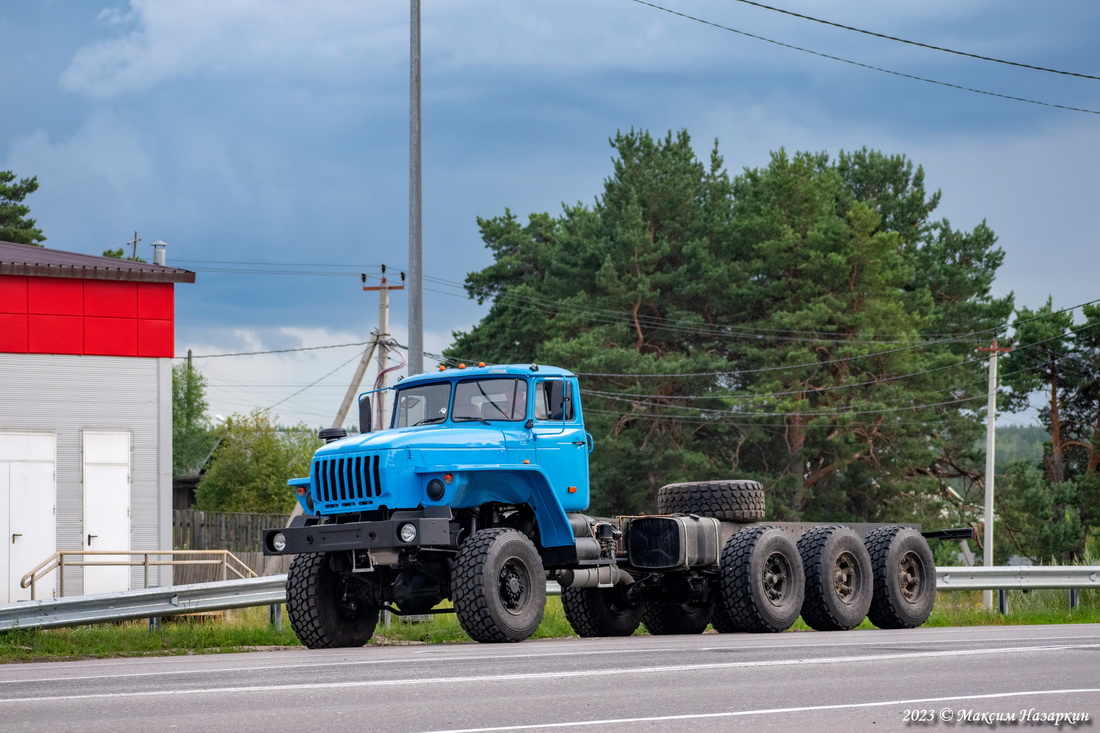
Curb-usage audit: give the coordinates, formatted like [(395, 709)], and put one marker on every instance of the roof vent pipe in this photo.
[(159, 252)]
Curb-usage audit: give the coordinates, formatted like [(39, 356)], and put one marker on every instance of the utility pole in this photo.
[(353, 386), (416, 276), (990, 447), (382, 338)]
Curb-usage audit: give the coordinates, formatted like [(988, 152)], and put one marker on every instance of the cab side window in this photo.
[(553, 400)]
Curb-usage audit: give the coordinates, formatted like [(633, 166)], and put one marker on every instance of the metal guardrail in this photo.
[(271, 590), (144, 603), (229, 563), (1017, 577)]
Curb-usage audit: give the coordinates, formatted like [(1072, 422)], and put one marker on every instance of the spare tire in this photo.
[(730, 501)]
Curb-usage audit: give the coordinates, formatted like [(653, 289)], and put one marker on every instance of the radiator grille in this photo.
[(346, 480)]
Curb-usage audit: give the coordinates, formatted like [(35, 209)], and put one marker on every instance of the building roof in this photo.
[(27, 259)]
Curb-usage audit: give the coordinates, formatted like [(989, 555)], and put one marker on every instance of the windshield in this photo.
[(491, 399), (422, 405)]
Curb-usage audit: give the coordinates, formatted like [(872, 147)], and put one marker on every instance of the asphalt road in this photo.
[(851, 681)]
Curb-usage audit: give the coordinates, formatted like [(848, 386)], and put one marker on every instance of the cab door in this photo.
[(561, 443)]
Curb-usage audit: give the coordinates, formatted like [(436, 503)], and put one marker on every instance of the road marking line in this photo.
[(549, 675), (453, 655), (769, 711)]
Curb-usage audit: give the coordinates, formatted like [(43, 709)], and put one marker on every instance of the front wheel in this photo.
[(600, 611), (498, 586), (327, 608)]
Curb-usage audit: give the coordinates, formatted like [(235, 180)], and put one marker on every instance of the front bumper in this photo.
[(433, 529)]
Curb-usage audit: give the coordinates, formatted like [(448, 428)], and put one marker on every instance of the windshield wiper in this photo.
[(429, 420)]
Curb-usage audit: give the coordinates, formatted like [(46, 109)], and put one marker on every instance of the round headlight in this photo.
[(435, 489), (278, 542), (407, 532)]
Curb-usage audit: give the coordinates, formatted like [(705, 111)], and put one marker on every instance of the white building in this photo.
[(86, 346)]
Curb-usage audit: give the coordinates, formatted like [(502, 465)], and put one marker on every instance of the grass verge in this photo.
[(250, 629)]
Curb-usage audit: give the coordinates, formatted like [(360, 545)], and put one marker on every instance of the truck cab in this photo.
[(462, 439)]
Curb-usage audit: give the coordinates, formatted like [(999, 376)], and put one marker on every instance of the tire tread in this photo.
[(731, 501)]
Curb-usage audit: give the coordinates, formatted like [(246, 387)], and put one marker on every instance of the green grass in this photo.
[(250, 629), (232, 631)]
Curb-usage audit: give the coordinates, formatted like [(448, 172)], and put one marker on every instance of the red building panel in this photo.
[(156, 301), (55, 296), (49, 315), (13, 294), (13, 333), (110, 298), (156, 338), (55, 334), (110, 336)]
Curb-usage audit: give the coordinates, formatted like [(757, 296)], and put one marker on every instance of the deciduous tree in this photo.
[(252, 463)]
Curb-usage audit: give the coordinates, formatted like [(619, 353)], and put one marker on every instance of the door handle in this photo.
[(14, 537), (92, 537)]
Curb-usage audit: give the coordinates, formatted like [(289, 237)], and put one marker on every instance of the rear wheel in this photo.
[(731, 501), (721, 620), (326, 607), (762, 581), (600, 611), (675, 618), (904, 578), (498, 586), (838, 578)]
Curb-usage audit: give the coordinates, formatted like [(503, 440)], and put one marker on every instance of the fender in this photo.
[(473, 486)]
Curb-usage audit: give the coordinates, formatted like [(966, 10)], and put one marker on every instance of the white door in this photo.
[(106, 509), (28, 492)]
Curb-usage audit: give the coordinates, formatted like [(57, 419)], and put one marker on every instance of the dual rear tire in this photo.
[(831, 578)]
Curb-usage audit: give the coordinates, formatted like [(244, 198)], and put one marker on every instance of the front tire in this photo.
[(325, 609), (498, 586), (600, 611)]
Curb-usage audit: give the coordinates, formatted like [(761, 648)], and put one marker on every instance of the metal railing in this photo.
[(141, 604), (271, 590), (1017, 577), (230, 564)]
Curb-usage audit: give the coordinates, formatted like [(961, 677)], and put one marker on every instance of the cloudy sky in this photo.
[(266, 140)]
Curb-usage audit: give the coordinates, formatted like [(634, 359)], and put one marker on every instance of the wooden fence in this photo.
[(237, 532)]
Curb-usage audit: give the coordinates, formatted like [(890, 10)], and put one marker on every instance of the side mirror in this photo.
[(365, 414)]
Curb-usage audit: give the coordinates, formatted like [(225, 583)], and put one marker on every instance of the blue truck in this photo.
[(476, 492)]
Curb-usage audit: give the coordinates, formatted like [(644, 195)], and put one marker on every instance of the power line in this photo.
[(274, 351), (912, 43), (867, 66), (303, 389), (869, 383), (734, 372)]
